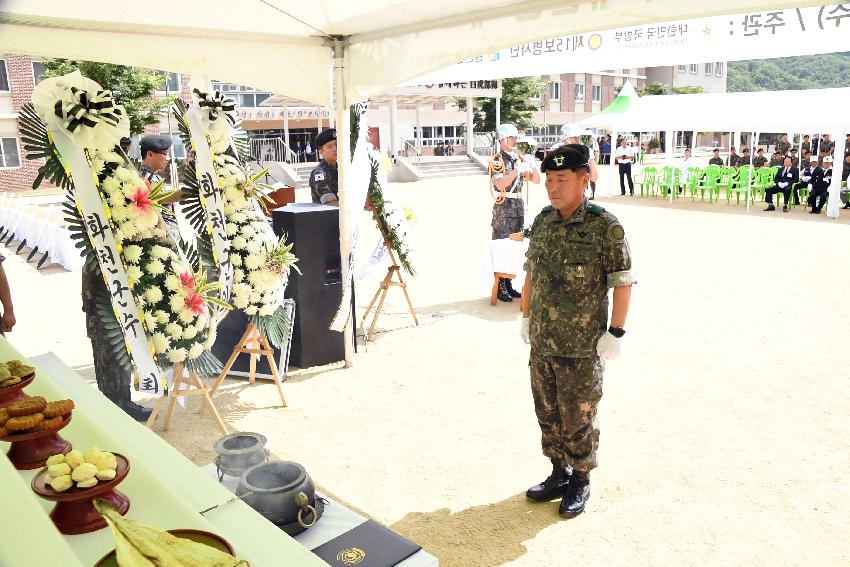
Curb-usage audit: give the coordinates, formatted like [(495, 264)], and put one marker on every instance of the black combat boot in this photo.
[(576, 496), (770, 207), (511, 291), (553, 487), (121, 398), (503, 294)]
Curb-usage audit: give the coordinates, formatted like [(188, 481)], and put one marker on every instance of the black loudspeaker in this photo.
[(317, 291)]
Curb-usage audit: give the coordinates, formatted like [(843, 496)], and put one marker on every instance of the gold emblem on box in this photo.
[(351, 556)]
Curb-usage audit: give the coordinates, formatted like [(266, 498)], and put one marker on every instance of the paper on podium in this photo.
[(506, 256)]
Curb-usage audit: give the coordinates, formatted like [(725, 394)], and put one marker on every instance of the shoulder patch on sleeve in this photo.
[(318, 176), (595, 209), (615, 233)]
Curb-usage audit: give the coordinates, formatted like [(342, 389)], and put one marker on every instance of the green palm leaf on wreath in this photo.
[(277, 326), (113, 330), (37, 144)]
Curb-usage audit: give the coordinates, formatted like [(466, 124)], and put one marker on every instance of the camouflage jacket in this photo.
[(324, 180), (572, 263)]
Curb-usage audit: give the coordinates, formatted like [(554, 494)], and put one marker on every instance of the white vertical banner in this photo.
[(212, 200), (356, 180), (95, 216)]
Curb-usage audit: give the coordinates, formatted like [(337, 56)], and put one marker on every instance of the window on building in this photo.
[(172, 82), (682, 68), (694, 68), (37, 71), (718, 69), (709, 69), (9, 155), (178, 151), (4, 78), (579, 92), (597, 93), (555, 91)]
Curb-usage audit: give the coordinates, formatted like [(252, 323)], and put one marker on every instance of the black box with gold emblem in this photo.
[(368, 545)]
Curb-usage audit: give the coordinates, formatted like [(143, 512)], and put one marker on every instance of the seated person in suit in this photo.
[(807, 177), (715, 157), (785, 178), (820, 187)]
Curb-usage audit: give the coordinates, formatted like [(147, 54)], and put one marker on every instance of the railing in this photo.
[(274, 149), (484, 150), (408, 150)]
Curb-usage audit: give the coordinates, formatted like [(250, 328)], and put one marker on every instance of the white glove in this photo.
[(609, 347), (523, 331), (529, 159), (523, 166)]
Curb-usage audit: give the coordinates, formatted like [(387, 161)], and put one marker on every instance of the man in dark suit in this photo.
[(785, 178), (820, 189), (810, 175)]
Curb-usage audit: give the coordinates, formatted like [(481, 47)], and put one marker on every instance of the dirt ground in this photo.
[(725, 426)]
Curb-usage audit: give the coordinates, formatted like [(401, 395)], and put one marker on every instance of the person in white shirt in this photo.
[(625, 157), (686, 163), (571, 134)]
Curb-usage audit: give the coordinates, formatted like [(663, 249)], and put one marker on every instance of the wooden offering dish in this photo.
[(30, 450), (74, 512), (11, 394)]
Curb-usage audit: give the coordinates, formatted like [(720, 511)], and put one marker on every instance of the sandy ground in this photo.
[(724, 428)]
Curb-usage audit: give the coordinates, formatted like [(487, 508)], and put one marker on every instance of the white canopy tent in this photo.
[(316, 51), (816, 111)]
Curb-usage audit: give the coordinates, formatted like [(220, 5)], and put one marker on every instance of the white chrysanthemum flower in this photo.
[(177, 355), (176, 303), (236, 259), (111, 185), (190, 332), (255, 297), (238, 218), (160, 252), (162, 317), (153, 294), (239, 243), (252, 262), (134, 274), (123, 174), (160, 342), (196, 350), (248, 231), (250, 311), (174, 331), (240, 302), (255, 246), (186, 316), (172, 282), (266, 310), (150, 320), (211, 338), (241, 289), (231, 229), (155, 268)]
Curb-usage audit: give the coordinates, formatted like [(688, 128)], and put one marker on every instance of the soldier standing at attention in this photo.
[(577, 251), (324, 179), (509, 215)]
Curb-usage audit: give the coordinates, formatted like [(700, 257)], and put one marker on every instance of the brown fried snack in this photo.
[(49, 423), (3, 432), (58, 408), (4, 417), (24, 422), (28, 406)]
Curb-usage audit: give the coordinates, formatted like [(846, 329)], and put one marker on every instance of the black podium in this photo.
[(317, 291)]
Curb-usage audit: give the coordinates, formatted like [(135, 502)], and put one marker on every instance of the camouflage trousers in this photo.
[(507, 218), (566, 392)]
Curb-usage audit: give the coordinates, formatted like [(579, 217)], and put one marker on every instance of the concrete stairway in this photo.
[(449, 166)]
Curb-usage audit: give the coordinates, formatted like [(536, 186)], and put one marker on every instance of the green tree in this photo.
[(134, 88), (516, 105), (830, 70), (687, 90)]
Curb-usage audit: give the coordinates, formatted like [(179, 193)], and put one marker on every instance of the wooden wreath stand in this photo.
[(196, 388), (251, 343), (394, 269)]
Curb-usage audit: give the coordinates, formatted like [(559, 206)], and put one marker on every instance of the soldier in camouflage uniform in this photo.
[(509, 216), (324, 179), (577, 252), (784, 146)]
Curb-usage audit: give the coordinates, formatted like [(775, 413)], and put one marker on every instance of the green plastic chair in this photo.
[(708, 183), (763, 179), (646, 180), (669, 181), (693, 176), (740, 185)]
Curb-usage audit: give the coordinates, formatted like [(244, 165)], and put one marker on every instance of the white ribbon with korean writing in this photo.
[(212, 201), (127, 313)]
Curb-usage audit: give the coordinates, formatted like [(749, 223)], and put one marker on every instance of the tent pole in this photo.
[(498, 111), (615, 169), (286, 133), (670, 140), (394, 126), (833, 210), (753, 144), (470, 123), (343, 141)]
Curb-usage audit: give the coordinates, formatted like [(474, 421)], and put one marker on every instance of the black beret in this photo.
[(154, 143), (324, 137), (568, 156), (716, 150)]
